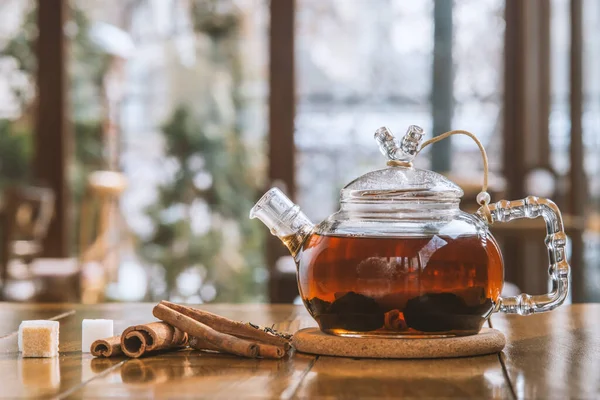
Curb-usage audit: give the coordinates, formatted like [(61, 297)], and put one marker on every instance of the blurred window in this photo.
[(183, 95), (367, 63), (17, 90), (560, 125)]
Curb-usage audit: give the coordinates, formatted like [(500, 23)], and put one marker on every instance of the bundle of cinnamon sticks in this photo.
[(183, 326)]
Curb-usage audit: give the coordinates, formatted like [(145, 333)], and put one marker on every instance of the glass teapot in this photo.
[(401, 258)]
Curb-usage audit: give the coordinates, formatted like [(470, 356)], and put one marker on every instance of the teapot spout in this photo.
[(283, 218)]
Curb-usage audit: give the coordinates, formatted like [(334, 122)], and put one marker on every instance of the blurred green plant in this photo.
[(228, 247), (176, 244), (15, 153)]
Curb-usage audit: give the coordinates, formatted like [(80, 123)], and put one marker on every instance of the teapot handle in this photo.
[(556, 240)]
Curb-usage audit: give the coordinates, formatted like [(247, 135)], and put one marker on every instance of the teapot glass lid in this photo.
[(400, 181)]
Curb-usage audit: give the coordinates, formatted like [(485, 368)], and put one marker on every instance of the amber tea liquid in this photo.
[(437, 285)]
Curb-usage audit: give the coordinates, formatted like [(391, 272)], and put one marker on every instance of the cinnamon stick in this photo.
[(141, 339), (135, 344), (228, 343), (203, 344), (225, 325), (264, 350), (109, 347), (270, 351)]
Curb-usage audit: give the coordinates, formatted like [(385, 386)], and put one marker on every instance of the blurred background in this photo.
[(135, 135)]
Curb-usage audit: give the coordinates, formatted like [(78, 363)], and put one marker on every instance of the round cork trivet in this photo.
[(313, 341)]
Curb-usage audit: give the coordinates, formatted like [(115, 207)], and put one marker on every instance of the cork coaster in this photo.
[(313, 341)]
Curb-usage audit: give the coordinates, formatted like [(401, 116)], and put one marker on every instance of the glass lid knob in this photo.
[(404, 150)]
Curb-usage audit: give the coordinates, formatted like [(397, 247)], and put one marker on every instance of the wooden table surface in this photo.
[(552, 355)]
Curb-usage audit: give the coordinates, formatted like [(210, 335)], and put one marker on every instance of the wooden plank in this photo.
[(80, 375), (577, 177), (514, 107), (577, 172), (51, 138), (442, 96), (45, 377), (282, 110), (513, 117), (554, 355), (198, 375), (544, 79), (282, 98), (526, 91), (194, 374), (526, 122), (36, 377), (544, 92), (11, 321), (551, 355)]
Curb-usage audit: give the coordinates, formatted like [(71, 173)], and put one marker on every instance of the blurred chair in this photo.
[(26, 215), (27, 212), (96, 252)]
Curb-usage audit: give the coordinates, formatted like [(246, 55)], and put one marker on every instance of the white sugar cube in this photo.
[(38, 338), (94, 329)]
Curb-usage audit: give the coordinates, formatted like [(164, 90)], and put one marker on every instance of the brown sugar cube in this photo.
[(38, 338)]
